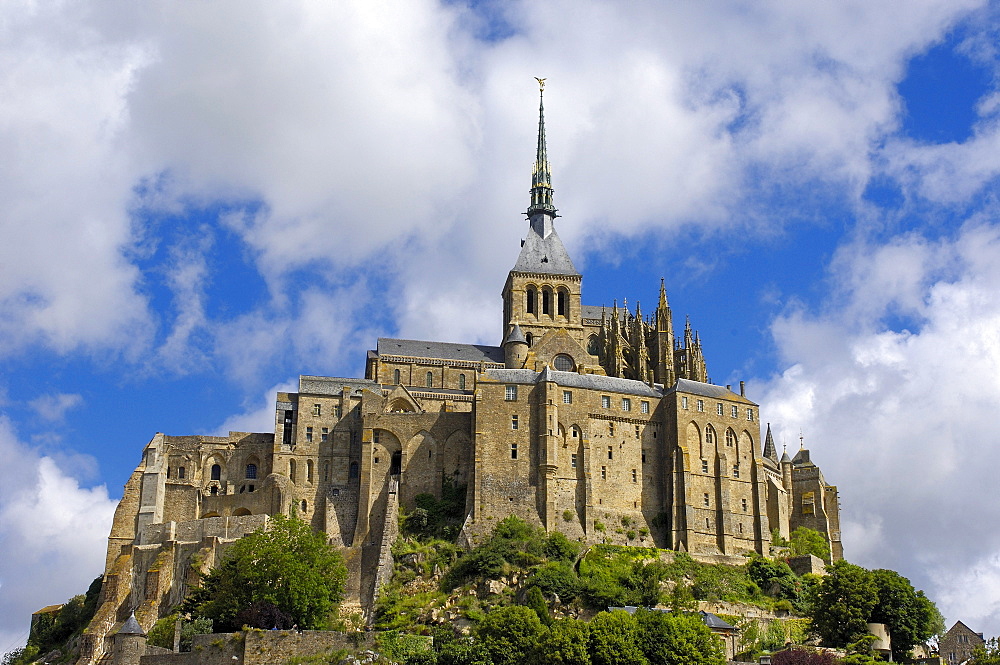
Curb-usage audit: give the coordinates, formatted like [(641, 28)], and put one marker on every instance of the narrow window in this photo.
[(305, 506), (644, 407), (734, 411), (572, 460), (326, 471), (709, 434), (216, 472), (635, 476), (684, 403), (604, 473), (705, 499), (338, 412), (704, 466), (605, 402), (430, 379), (168, 472), (377, 436), (561, 303), (567, 397), (530, 339), (736, 471), (180, 472), (576, 432), (611, 429), (291, 470), (637, 434), (611, 452), (353, 473), (325, 434), (251, 471), (513, 451), (510, 393), (309, 471), (317, 409), (750, 415), (643, 455), (546, 302), (626, 404), (309, 434), (701, 405), (395, 376), (513, 422), (741, 527), (531, 300), (461, 382), (744, 505), (718, 408)]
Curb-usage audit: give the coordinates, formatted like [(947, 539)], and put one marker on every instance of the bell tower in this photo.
[(542, 293)]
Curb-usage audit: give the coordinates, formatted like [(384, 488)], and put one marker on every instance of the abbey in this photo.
[(597, 422)]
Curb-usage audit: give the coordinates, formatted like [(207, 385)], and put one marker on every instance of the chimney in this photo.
[(743, 392)]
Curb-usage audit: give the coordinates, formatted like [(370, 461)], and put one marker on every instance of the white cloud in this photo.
[(259, 414), (894, 412), (53, 534), (54, 407)]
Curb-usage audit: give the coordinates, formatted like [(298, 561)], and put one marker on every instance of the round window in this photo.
[(563, 363)]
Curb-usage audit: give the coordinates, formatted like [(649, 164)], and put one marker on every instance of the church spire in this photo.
[(541, 176)]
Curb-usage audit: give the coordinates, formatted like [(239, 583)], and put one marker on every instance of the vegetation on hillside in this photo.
[(58, 630)]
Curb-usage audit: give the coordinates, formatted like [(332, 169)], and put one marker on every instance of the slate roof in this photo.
[(445, 350), (131, 627), (333, 385), (547, 255), (574, 380), (515, 335), (708, 390), (594, 311)]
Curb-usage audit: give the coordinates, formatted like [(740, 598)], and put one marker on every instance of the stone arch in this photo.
[(594, 345), (210, 513), (419, 456), (562, 301), (239, 512), (531, 300), (455, 457)]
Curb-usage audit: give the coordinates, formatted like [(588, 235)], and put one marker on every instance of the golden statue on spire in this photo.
[(541, 84)]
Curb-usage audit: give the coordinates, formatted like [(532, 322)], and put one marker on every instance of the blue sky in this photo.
[(200, 202)]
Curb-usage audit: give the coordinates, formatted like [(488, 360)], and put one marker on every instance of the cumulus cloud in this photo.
[(259, 414), (53, 534), (890, 385)]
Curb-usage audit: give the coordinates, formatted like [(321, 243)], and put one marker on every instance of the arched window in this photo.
[(730, 437), (593, 345), (353, 473), (532, 295), (395, 376), (309, 471), (305, 506), (430, 379), (291, 470), (180, 472), (251, 471), (546, 302), (529, 338), (563, 363), (561, 303), (461, 382), (216, 472), (709, 434)]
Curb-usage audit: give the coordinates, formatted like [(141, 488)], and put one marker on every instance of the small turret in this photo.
[(770, 453), (515, 348), (129, 643)]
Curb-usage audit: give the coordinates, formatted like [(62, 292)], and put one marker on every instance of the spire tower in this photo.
[(541, 175)]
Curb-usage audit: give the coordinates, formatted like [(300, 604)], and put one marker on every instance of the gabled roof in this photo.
[(595, 382), (708, 390), (443, 350), (547, 255)]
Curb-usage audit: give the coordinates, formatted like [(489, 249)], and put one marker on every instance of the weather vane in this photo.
[(541, 84)]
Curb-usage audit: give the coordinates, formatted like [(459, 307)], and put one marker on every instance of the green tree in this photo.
[(909, 616), (537, 603), (284, 574), (842, 604), (809, 541), (987, 654), (678, 639), (510, 635), (564, 643), (614, 639)]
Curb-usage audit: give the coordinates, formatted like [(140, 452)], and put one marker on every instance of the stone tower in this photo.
[(542, 292)]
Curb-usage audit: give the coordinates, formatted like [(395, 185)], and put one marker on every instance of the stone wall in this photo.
[(256, 647)]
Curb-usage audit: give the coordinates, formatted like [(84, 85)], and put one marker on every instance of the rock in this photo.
[(496, 587)]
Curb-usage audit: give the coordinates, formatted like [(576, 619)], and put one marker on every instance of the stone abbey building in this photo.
[(597, 422)]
